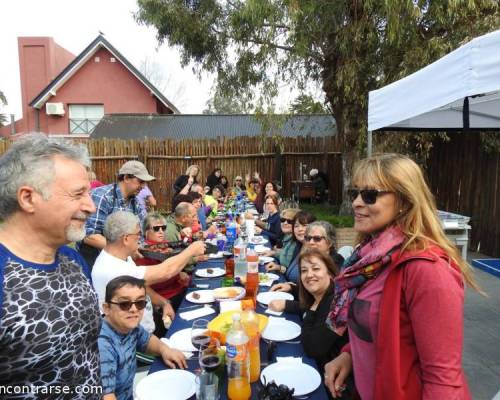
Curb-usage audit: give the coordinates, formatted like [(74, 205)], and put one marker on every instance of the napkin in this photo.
[(269, 311), (230, 305), (289, 360), (199, 312), (219, 254)]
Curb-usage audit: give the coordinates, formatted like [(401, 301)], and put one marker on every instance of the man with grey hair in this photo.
[(122, 231), (121, 195), (44, 202)]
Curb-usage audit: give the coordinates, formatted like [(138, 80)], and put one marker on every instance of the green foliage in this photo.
[(305, 104), (324, 212), (490, 142), (349, 47), (3, 102)]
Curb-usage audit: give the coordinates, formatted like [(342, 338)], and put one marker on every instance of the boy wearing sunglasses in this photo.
[(121, 336)]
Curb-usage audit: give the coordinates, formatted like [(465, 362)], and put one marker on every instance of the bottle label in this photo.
[(236, 352)]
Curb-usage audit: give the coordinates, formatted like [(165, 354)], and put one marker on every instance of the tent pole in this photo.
[(369, 149)]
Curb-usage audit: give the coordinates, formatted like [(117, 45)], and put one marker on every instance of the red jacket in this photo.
[(420, 330)]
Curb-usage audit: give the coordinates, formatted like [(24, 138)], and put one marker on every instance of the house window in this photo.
[(83, 118)]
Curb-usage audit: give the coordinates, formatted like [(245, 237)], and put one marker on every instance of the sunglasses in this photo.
[(369, 196), (127, 305), (286, 220), (158, 227), (316, 239)]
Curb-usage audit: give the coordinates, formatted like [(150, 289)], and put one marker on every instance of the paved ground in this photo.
[(482, 336)]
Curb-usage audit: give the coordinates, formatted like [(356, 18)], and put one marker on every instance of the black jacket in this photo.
[(319, 341)]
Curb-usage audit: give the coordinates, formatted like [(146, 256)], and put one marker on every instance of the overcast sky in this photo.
[(73, 25)]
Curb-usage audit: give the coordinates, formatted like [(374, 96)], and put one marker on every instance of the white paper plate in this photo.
[(178, 382), (206, 296), (301, 377), (265, 277), (181, 340), (259, 249), (187, 354), (266, 297), (219, 293), (259, 240), (265, 259), (280, 329), (216, 272), (219, 254)]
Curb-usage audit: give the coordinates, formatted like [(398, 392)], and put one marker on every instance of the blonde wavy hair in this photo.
[(188, 170), (418, 217)]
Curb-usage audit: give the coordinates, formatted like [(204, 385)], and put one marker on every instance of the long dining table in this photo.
[(282, 349)]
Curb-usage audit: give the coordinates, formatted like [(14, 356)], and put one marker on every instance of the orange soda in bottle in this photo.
[(237, 361), (250, 322), (252, 282)]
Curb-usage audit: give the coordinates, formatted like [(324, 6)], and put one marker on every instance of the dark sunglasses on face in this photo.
[(369, 196), (158, 227), (127, 305), (286, 220), (316, 239)]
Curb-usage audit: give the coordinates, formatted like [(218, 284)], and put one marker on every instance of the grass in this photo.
[(329, 213)]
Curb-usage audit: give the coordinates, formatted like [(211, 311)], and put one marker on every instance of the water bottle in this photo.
[(237, 360), (240, 266)]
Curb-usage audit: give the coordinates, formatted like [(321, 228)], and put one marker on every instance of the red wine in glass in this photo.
[(200, 340), (210, 362)]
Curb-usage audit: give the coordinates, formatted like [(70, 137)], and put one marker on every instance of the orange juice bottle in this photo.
[(237, 361), (252, 281), (250, 321)]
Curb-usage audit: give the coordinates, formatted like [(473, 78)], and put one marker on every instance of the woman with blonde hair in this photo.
[(183, 183), (401, 294)]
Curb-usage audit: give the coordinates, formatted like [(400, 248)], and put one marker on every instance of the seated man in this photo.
[(121, 336), (122, 233)]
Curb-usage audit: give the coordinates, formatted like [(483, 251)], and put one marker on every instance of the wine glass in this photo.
[(209, 355), (199, 333)]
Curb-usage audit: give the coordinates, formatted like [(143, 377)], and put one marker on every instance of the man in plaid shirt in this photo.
[(132, 177)]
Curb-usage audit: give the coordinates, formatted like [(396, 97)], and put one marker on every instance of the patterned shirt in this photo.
[(49, 325), (107, 200), (118, 363)]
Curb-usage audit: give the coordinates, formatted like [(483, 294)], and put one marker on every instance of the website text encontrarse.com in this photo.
[(56, 389)]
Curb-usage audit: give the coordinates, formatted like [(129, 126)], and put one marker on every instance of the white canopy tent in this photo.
[(460, 91)]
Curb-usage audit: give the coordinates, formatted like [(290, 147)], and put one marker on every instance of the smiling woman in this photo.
[(388, 292)]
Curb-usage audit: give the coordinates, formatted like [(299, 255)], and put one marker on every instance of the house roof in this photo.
[(184, 126), (81, 59)]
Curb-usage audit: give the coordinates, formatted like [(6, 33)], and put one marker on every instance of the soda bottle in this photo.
[(250, 322), (238, 386), (252, 283), (231, 230), (229, 264), (239, 246)]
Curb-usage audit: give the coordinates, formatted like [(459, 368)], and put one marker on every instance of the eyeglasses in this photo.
[(369, 196), (316, 239), (286, 221), (158, 227), (127, 305), (134, 234)]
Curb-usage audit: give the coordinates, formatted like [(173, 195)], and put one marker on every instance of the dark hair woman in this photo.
[(214, 178)]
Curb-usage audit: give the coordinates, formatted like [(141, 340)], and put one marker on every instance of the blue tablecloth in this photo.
[(282, 349)]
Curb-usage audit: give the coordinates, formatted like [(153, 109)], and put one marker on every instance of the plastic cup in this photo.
[(207, 386), (220, 244)]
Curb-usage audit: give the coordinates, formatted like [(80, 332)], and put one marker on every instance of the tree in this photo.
[(3, 102), (221, 103), (305, 104), (155, 73), (349, 46)]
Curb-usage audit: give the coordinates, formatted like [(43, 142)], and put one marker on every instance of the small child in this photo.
[(121, 336)]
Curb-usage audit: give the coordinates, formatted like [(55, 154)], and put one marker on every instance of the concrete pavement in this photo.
[(481, 358)]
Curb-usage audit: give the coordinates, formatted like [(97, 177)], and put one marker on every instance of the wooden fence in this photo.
[(465, 180), (167, 159)]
